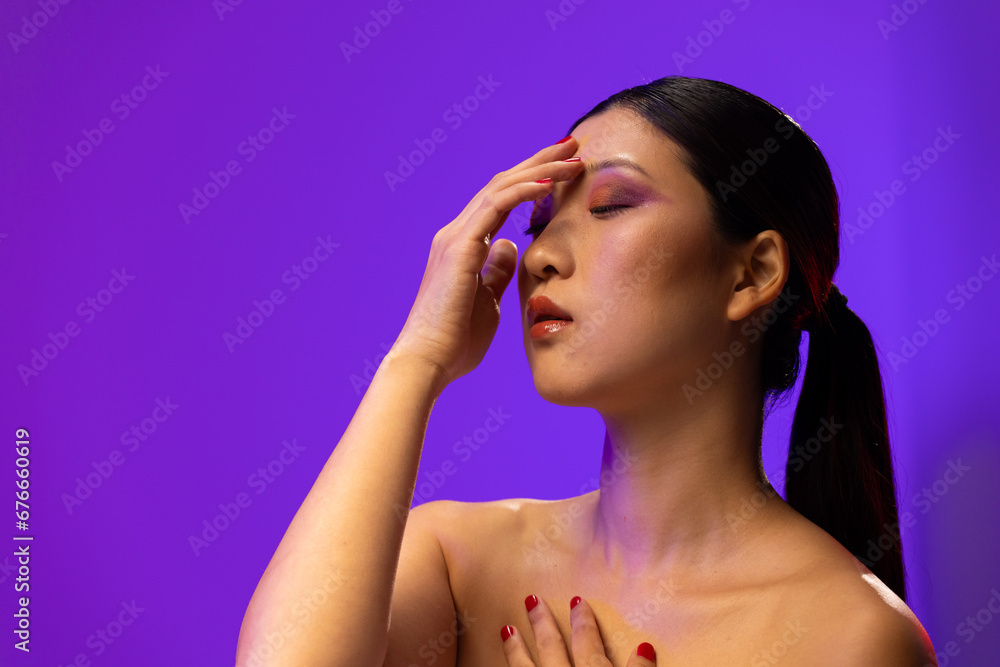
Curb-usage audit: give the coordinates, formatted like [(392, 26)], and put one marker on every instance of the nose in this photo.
[(540, 260)]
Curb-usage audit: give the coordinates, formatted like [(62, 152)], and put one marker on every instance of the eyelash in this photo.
[(533, 230)]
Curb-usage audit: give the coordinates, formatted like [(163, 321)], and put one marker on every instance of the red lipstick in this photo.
[(545, 317)]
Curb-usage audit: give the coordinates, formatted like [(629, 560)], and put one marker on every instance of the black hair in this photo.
[(762, 171)]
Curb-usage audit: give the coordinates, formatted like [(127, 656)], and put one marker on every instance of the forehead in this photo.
[(618, 136), (613, 129)]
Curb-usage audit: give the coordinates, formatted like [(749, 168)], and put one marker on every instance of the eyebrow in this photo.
[(545, 205), (610, 162)]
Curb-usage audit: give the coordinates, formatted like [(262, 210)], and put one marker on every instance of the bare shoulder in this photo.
[(870, 625), (490, 510), (855, 619), (460, 524)]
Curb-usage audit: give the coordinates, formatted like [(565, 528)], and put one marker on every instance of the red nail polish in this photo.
[(646, 651), (530, 602), (544, 180), (573, 159), (505, 632), (564, 140), (575, 601)]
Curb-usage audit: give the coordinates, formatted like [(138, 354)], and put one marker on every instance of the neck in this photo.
[(674, 483)]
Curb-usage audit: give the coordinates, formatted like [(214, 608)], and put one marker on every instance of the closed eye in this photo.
[(534, 230), (607, 209)]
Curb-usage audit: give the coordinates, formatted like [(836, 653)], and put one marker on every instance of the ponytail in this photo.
[(839, 472)]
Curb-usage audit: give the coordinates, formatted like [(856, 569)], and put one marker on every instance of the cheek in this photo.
[(651, 287), (641, 265), (629, 286)]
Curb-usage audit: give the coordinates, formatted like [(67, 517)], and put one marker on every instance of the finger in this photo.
[(556, 151), (588, 647), (549, 155), (553, 163), (500, 267), (494, 206), (549, 643), (514, 649), (644, 656)]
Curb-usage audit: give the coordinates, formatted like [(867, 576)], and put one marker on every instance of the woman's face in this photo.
[(645, 284)]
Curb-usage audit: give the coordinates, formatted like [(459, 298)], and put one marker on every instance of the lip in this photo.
[(541, 305), (548, 327)]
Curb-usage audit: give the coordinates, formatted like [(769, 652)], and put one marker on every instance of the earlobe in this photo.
[(762, 270)]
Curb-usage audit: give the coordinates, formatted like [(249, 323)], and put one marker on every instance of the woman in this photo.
[(685, 233)]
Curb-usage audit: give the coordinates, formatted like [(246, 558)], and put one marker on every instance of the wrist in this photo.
[(426, 374)]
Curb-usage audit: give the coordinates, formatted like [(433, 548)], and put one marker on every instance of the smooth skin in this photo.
[(665, 551)]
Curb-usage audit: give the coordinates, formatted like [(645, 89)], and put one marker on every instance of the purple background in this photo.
[(323, 175)]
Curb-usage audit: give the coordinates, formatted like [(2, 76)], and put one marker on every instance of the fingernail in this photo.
[(573, 159), (575, 601), (564, 140), (544, 180), (646, 651), (505, 632), (530, 602)]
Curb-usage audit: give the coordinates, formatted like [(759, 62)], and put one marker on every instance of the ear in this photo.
[(761, 269)]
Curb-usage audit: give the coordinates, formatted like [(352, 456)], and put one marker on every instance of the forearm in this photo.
[(345, 538)]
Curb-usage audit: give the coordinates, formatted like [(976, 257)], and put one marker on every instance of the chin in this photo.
[(566, 399), (562, 388)]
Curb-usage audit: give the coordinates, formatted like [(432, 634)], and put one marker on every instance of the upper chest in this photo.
[(492, 571)]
